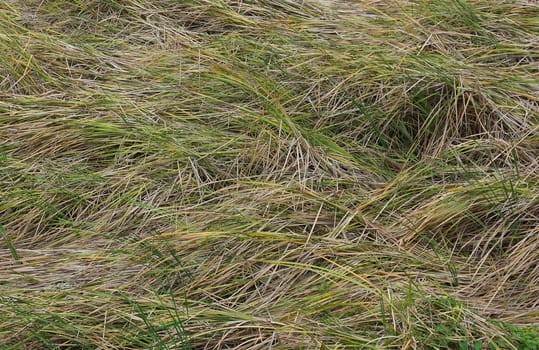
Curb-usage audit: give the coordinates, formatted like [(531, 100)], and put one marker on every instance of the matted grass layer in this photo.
[(269, 174)]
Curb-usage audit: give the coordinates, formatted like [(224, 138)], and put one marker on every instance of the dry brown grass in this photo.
[(268, 174)]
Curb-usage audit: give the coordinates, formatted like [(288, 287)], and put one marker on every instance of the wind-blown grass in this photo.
[(269, 174)]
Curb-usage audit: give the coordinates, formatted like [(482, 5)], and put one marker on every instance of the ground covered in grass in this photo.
[(269, 174)]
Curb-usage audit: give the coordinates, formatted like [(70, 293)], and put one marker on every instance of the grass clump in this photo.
[(268, 174)]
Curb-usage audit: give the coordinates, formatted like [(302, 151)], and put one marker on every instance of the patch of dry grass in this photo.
[(268, 174)]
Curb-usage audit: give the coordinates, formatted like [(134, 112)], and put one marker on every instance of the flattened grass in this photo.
[(268, 174)]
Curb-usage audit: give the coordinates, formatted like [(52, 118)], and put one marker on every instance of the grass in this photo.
[(269, 174)]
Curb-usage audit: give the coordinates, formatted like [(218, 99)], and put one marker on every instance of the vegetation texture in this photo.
[(211, 174)]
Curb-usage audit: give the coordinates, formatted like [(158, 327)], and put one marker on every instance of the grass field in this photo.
[(269, 174)]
